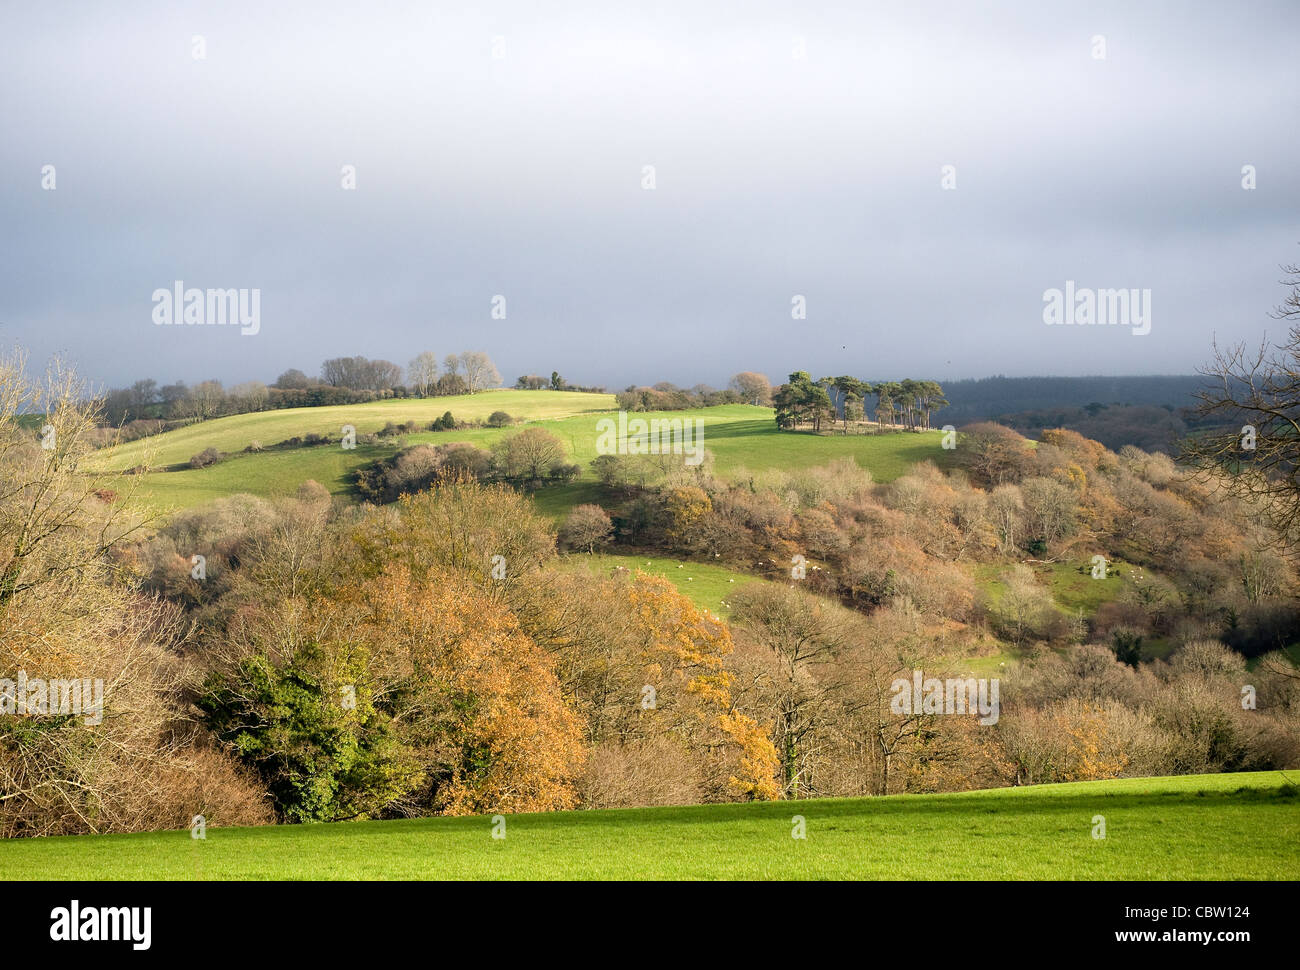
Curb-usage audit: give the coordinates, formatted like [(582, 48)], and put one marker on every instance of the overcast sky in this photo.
[(798, 149)]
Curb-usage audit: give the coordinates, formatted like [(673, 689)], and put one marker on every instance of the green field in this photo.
[(1244, 826), (706, 585), (270, 427), (738, 436)]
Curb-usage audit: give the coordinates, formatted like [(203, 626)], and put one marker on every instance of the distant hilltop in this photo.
[(989, 397)]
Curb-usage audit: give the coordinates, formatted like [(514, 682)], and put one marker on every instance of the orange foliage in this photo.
[(500, 695)]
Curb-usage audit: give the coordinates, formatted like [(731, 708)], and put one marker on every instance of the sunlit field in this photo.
[(740, 438), (1244, 826)]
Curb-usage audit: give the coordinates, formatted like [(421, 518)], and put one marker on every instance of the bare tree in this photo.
[(361, 374), (59, 514), (805, 637), (254, 394), (204, 400), (480, 372), (422, 372), (1255, 395)]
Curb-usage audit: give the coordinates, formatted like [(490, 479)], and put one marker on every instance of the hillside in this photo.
[(234, 433), (738, 436), (1242, 826)]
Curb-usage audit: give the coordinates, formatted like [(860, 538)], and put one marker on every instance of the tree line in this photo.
[(803, 401), (342, 380)]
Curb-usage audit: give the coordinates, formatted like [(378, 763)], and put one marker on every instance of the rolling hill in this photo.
[(738, 436)]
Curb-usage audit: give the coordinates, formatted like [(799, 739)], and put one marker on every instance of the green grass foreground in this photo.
[(1240, 826)]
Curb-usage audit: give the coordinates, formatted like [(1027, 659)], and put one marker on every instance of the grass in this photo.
[(234, 433), (741, 438), (704, 584), (1292, 653), (1071, 584), (1243, 826), (1076, 590)]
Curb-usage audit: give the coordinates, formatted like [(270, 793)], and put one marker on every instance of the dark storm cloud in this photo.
[(776, 175)]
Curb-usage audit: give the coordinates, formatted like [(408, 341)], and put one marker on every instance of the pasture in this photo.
[(1237, 826)]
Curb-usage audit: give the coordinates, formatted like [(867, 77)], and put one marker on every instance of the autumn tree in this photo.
[(991, 454), (683, 510), (478, 699)]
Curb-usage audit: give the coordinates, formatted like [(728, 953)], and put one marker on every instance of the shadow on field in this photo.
[(922, 807)]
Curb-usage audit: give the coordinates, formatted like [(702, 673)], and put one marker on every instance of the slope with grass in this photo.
[(1075, 592), (235, 433), (741, 438), (1244, 826), (704, 584)]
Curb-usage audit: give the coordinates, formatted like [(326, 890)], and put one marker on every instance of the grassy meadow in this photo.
[(234, 433), (1240, 826), (740, 437), (706, 585)]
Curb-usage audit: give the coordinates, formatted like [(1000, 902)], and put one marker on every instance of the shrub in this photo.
[(391, 430), (461, 459), (206, 457), (499, 419), (564, 473)]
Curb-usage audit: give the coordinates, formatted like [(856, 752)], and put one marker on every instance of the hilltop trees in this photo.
[(480, 372), (907, 403), (801, 401), (250, 396), (849, 395), (360, 374), (422, 373), (294, 380), (753, 387), (145, 408), (919, 399), (203, 401)]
